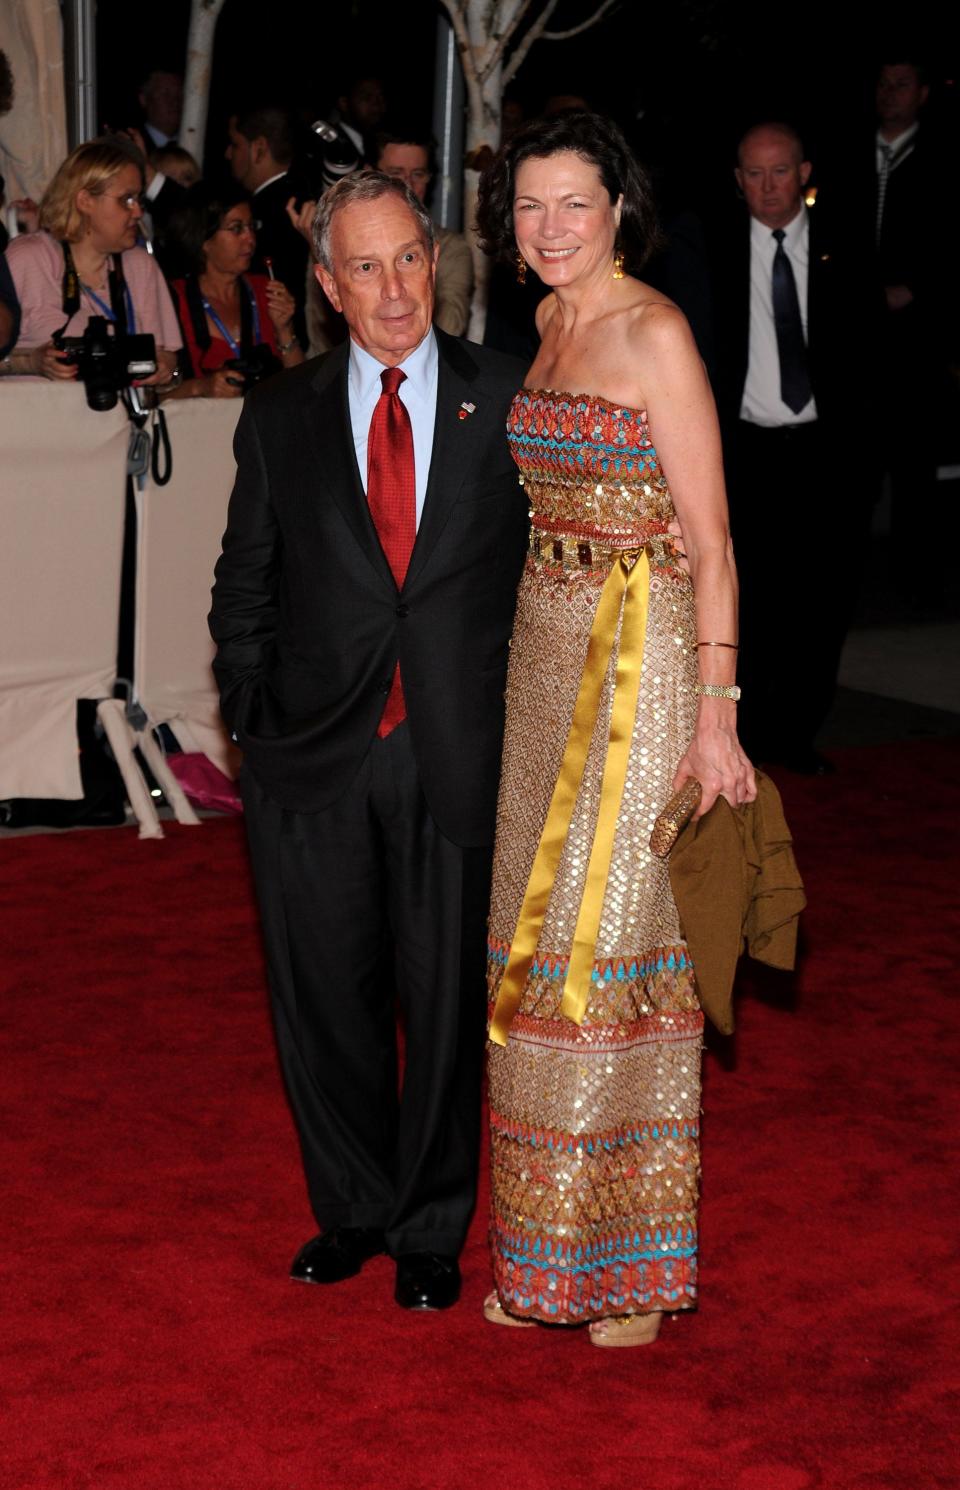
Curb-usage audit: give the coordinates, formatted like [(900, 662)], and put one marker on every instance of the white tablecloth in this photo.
[(62, 486)]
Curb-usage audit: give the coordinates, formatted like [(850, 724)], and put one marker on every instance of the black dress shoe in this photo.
[(337, 1254), (426, 1280)]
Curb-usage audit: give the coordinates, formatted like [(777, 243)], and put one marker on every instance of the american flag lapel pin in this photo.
[(465, 409)]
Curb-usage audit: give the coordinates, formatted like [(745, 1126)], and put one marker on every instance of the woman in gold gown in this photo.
[(595, 1034)]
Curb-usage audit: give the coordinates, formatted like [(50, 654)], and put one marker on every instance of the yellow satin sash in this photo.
[(627, 589)]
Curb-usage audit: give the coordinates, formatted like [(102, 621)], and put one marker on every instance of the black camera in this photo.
[(339, 156), (256, 364), (107, 360)]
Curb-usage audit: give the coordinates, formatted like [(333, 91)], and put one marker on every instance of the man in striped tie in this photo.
[(362, 612)]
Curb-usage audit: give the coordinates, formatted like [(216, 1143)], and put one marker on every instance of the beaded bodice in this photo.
[(588, 467)]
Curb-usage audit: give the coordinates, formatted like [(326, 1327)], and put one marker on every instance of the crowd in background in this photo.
[(215, 263), (239, 300)]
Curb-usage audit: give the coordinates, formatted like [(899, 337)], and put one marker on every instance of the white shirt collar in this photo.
[(264, 184), (157, 135), (352, 134), (792, 234), (898, 142), (420, 366)]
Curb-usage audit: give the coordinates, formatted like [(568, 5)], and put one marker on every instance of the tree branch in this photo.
[(583, 26), (458, 21), (503, 42), (536, 30)]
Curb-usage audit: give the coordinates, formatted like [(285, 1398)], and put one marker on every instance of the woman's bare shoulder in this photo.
[(544, 313), (657, 328)]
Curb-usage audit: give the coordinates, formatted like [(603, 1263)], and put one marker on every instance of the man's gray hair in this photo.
[(367, 186)]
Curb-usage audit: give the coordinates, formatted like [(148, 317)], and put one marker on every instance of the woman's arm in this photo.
[(166, 367), (222, 383), (683, 424), (35, 262), (154, 310), (281, 308), (37, 362)]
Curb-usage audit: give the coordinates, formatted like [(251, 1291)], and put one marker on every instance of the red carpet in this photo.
[(152, 1200)]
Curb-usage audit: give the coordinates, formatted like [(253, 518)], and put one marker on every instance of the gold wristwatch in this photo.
[(719, 690)]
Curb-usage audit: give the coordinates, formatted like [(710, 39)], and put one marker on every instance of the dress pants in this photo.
[(796, 511), (366, 908)]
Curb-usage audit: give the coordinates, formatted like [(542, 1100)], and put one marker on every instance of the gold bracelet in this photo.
[(732, 645)]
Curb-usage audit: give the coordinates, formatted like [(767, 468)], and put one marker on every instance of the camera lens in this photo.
[(101, 393)]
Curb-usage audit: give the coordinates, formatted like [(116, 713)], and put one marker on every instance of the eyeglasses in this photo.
[(128, 199), (237, 227), (401, 175)]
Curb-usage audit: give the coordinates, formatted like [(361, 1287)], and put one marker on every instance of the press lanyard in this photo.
[(255, 311), (107, 310)]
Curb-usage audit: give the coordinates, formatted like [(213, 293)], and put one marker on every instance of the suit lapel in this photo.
[(455, 441), (336, 459), (818, 274), (739, 289)]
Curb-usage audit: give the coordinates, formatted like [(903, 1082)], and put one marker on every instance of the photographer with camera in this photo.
[(238, 327), (85, 265)]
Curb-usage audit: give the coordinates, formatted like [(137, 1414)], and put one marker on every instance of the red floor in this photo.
[(152, 1200)]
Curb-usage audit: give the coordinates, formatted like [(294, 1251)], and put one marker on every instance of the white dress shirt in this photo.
[(146, 222), (353, 135), (762, 403), (269, 182), (418, 394), (157, 137), (897, 147)]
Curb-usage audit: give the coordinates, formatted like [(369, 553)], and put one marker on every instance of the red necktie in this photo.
[(392, 495)]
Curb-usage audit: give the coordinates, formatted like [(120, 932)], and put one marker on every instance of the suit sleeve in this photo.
[(243, 617), (454, 285)]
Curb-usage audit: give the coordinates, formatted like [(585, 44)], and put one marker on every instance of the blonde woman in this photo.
[(89, 217)]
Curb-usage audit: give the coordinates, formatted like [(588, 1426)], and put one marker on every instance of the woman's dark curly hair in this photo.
[(596, 139), (198, 217)]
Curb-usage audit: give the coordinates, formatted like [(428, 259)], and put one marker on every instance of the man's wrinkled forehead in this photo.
[(368, 230)]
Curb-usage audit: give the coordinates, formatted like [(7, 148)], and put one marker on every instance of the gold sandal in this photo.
[(626, 1329), (494, 1311)]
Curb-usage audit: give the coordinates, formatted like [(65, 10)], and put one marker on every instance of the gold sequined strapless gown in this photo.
[(594, 1126)]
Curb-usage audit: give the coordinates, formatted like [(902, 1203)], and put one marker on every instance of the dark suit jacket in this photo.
[(918, 247), (170, 256), (911, 223), (278, 240), (841, 320), (308, 620), (8, 298)]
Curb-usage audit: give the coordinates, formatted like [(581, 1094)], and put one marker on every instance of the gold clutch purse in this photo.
[(674, 817)]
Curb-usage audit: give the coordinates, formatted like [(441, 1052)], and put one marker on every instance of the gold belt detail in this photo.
[(626, 589)]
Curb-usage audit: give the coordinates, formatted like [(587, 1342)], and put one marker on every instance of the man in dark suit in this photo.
[(161, 99), (362, 612), (794, 365), (260, 154), (913, 213)]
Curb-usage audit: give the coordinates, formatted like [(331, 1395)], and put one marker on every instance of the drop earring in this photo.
[(521, 269), (618, 264)]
